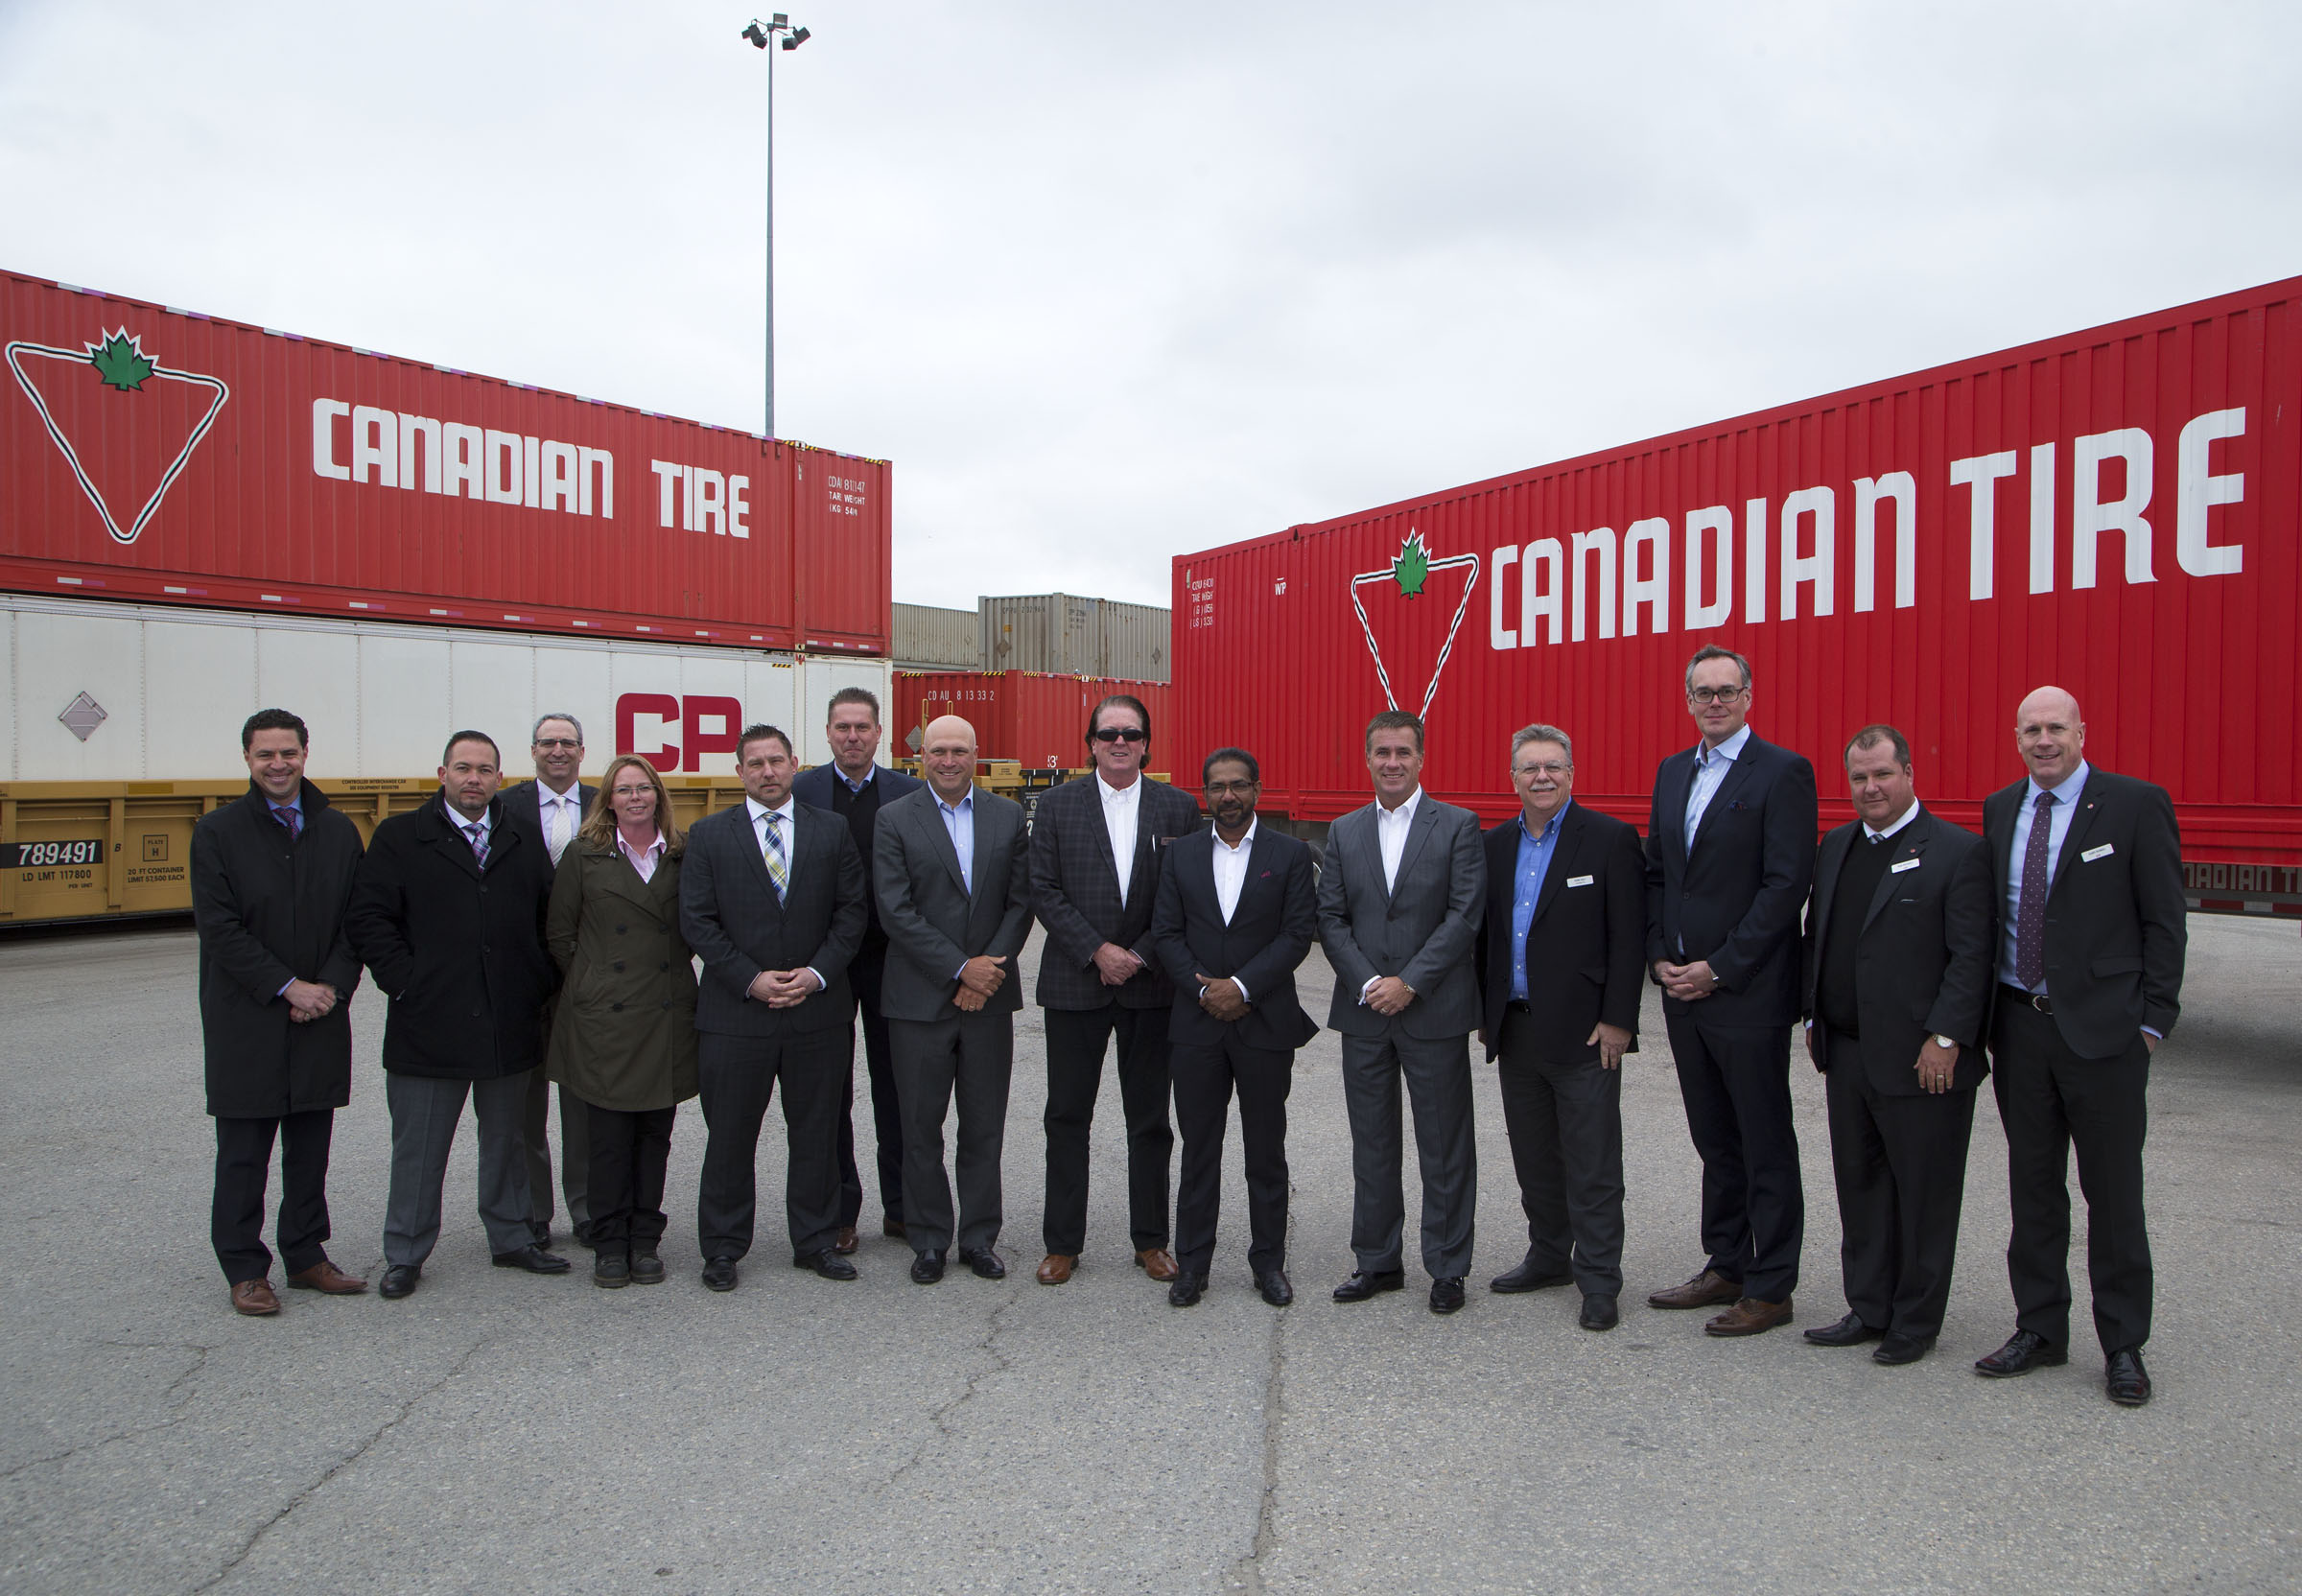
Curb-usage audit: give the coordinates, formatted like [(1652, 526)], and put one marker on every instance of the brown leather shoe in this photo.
[(254, 1297), (843, 1239), (1056, 1268), (324, 1275), (1702, 1291), (1157, 1262), (1750, 1316)]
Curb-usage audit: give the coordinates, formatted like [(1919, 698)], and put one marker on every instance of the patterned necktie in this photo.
[(2029, 914), (778, 871), (478, 835), (556, 830), (288, 815)]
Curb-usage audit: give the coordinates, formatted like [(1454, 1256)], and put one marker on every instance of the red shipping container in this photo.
[(1038, 720), (157, 455), (2115, 511)]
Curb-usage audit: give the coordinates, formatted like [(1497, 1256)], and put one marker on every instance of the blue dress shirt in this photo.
[(1710, 769), (1534, 864)]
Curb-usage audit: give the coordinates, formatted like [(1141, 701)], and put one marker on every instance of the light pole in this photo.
[(761, 34)]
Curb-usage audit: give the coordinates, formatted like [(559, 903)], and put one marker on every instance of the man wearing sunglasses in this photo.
[(1097, 845)]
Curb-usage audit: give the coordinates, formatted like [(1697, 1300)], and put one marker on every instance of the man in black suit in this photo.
[(448, 912), (1897, 988), (553, 805), (955, 893), (854, 787), (771, 899), (1730, 854), (1237, 909), (1402, 896), (272, 874), (2088, 873), (1096, 847), (1563, 965)]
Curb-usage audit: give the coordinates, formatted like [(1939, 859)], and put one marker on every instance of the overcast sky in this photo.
[(1113, 283)]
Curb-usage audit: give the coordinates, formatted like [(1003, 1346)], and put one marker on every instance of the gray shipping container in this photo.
[(925, 638), (1063, 634)]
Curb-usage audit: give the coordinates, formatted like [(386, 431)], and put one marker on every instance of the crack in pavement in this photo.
[(200, 1350), (941, 1418), (336, 1468), (1247, 1573)]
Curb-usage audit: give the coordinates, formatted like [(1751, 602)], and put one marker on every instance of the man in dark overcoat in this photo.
[(272, 873), (448, 912)]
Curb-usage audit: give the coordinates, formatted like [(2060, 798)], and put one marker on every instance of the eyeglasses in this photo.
[(1122, 733), (1553, 769), (1715, 695), (557, 743)]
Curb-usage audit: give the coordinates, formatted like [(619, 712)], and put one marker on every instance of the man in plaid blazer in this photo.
[(1097, 848)]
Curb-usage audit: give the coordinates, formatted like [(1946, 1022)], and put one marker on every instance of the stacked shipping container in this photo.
[(1038, 720)]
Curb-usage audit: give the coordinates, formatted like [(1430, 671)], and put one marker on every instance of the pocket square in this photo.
[(1738, 804), (1264, 877)]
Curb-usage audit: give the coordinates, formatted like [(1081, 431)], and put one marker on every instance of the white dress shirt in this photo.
[(1230, 880), (1391, 827), (1908, 815), (1710, 769), (561, 815), (1121, 805), (789, 830)]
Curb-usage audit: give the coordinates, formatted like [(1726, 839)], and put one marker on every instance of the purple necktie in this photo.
[(2029, 914), (478, 835), (289, 816)]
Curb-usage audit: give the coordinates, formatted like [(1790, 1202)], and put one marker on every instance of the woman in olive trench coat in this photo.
[(623, 1038)]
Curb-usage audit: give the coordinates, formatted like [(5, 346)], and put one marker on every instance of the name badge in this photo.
[(1581, 881), (2093, 854), (1906, 864)]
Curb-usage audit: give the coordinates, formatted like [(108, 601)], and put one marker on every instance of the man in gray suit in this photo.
[(955, 897), (1400, 900)]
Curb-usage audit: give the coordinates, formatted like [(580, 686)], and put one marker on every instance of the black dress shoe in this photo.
[(719, 1274), (1599, 1312), (612, 1270), (1277, 1289), (1446, 1294), (2022, 1353), (582, 1232), (1849, 1331), (532, 1258), (2129, 1381), (1529, 1277), (985, 1262), (1897, 1348), (1188, 1288), (926, 1268), (647, 1269), (400, 1280), (827, 1263), (1365, 1284)]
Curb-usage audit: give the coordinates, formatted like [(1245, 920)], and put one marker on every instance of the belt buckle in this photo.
[(2040, 1001)]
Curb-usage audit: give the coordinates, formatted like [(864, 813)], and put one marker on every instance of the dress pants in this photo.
[(1205, 1075), (243, 1165), (629, 1153), (863, 975), (2051, 1101), (1075, 1042), (971, 1056), (424, 1112), (1565, 1123), (1438, 1076), (1900, 1164), (574, 1155), (1736, 1084), (738, 1076)]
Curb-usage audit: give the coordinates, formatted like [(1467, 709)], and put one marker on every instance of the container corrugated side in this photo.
[(924, 637)]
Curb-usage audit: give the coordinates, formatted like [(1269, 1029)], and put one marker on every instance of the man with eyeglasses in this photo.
[(1562, 971), (554, 805), (1097, 846), (1730, 854)]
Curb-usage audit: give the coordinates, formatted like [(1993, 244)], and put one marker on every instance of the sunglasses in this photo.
[(1122, 733)]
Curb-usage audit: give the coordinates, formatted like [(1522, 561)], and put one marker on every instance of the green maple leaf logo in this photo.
[(1412, 566), (119, 361)]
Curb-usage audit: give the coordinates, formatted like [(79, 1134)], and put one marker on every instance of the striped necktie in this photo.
[(288, 815), (478, 835), (778, 870)]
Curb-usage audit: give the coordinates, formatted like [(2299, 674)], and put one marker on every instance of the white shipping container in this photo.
[(96, 691)]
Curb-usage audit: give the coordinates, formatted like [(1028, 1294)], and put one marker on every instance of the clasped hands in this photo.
[(1116, 965), (784, 989), (1689, 983), (310, 1000), (979, 978)]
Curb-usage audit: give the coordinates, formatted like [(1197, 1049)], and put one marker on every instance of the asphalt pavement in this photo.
[(509, 1433)]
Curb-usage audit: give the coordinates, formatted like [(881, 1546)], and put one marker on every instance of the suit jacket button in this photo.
[(617, 965), (619, 931), (664, 966), (667, 1002), (614, 1008)]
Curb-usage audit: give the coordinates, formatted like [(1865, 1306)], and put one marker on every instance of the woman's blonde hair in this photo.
[(599, 826)]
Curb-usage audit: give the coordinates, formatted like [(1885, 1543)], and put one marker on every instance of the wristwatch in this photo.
[(1949, 1041)]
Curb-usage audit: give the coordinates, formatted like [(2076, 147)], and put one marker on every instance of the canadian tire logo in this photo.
[(113, 413), (1409, 630)]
